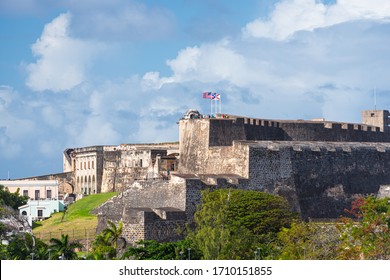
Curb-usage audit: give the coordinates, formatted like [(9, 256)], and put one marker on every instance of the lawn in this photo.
[(77, 221)]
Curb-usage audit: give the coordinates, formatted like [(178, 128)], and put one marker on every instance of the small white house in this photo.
[(41, 209), (43, 197)]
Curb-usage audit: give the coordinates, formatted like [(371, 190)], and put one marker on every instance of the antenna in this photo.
[(375, 97)]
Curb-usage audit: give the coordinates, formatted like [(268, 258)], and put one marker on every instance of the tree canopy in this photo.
[(13, 200), (368, 237), (233, 224)]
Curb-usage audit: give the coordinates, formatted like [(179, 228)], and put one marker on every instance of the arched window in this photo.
[(24, 213), (93, 184)]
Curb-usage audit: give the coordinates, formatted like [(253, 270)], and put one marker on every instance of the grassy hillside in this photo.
[(77, 221)]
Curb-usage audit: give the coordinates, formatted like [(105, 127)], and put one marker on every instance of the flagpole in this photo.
[(220, 104)]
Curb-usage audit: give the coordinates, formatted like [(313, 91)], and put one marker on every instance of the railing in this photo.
[(73, 234)]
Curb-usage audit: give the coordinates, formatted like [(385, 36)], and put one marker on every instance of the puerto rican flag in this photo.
[(216, 96)]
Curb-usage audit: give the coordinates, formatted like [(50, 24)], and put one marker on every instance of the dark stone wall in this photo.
[(224, 131), (335, 132), (320, 179)]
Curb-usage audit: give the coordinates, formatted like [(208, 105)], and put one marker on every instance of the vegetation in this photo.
[(64, 249), (369, 237), (153, 250), (13, 200), (308, 241), (76, 218), (105, 245), (233, 224)]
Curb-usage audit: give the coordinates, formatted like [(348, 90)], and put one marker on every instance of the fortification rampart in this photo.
[(222, 131), (206, 145), (324, 177)]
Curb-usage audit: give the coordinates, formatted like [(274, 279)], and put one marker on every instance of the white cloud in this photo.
[(329, 72), (291, 16), (62, 60), (12, 127), (120, 20), (304, 77)]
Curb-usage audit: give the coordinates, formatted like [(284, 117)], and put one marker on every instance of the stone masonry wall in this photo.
[(206, 144), (322, 177)]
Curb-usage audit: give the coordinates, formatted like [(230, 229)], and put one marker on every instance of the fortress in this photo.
[(319, 166)]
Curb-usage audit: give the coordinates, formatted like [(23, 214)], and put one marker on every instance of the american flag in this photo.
[(208, 95)]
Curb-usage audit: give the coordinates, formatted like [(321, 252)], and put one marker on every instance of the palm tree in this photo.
[(114, 234), (102, 248), (65, 249)]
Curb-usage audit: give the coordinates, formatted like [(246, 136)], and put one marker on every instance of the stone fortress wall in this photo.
[(99, 169), (319, 166)]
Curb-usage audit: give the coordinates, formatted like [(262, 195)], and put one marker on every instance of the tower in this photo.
[(379, 118)]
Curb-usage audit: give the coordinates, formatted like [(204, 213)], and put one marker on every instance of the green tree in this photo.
[(369, 236), (109, 243), (310, 241), (24, 246), (114, 234), (13, 200), (102, 248), (153, 250), (63, 248), (238, 224)]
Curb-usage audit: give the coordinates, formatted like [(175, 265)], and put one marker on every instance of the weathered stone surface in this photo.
[(319, 166)]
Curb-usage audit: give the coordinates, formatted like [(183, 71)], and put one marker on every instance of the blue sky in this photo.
[(106, 72)]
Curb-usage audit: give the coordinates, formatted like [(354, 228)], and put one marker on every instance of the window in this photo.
[(25, 192), (93, 165), (89, 165), (48, 194), (81, 165), (140, 162), (37, 195), (40, 213), (24, 213)]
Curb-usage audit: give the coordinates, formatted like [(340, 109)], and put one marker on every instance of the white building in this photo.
[(40, 209), (43, 197), (34, 189)]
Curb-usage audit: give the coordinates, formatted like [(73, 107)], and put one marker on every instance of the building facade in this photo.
[(33, 189), (320, 167)]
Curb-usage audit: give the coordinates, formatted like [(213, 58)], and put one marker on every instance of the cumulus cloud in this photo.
[(12, 127), (273, 71), (61, 60), (121, 20), (304, 77), (291, 16)]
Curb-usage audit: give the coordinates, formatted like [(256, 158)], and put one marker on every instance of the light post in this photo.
[(181, 254), (32, 256), (255, 255), (189, 253), (49, 250), (259, 252)]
